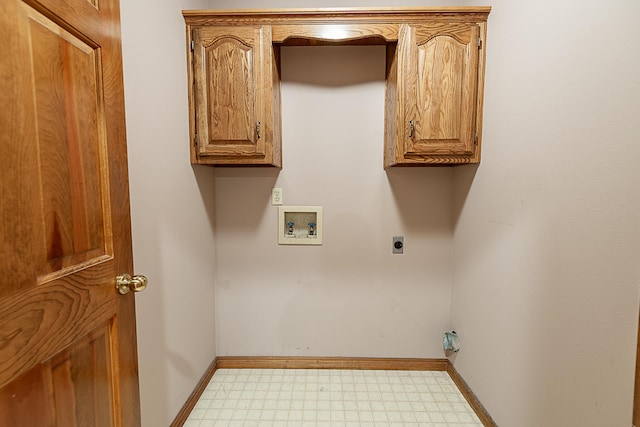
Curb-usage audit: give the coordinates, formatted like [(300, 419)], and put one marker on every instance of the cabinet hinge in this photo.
[(475, 138), (193, 46), (195, 140), (479, 44)]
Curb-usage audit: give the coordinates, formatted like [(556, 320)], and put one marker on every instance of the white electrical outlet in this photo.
[(276, 196)]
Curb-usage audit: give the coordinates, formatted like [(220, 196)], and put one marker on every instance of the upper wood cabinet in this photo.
[(434, 79), (432, 95), (235, 96)]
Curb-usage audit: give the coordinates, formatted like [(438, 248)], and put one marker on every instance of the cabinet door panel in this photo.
[(229, 63), (229, 102), (442, 77)]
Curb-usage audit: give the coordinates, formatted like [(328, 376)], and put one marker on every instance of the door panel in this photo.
[(67, 337), (25, 401), (81, 378), (71, 143), (443, 80), (71, 389)]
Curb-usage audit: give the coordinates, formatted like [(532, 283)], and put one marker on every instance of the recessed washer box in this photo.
[(300, 225)]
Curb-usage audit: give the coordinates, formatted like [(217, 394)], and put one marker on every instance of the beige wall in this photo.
[(351, 296), (171, 207), (547, 233)]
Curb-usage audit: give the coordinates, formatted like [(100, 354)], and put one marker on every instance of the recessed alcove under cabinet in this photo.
[(434, 79)]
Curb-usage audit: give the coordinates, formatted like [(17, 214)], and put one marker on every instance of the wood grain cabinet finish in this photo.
[(434, 79), (235, 80), (432, 95)]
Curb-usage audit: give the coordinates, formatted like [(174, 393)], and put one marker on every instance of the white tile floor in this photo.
[(332, 398)]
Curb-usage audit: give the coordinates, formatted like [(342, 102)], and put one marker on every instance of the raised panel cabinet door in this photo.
[(439, 65), (67, 337), (231, 72)]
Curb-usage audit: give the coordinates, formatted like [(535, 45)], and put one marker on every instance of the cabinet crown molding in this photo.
[(329, 12)]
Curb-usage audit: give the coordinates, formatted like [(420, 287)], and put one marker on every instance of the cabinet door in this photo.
[(441, 85), (229, 71)]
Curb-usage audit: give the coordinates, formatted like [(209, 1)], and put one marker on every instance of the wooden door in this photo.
[(636, 393), (440, 66), (232, 77), (67, 337)]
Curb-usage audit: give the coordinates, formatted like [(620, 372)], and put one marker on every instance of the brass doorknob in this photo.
[(126, 283)]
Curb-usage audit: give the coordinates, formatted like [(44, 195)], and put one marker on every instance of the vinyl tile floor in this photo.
[(331, 398)]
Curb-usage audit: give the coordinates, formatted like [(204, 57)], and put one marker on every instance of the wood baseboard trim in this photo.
[(475, 404), (188, 406), (373, 363)]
